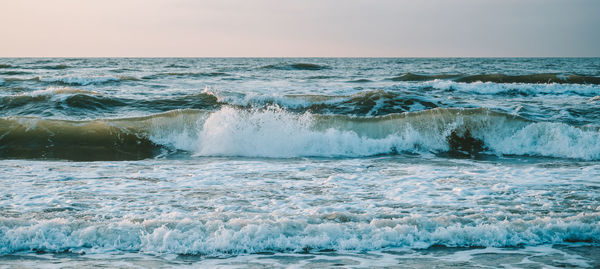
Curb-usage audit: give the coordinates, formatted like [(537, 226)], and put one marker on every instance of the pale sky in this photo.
[(299, 28)]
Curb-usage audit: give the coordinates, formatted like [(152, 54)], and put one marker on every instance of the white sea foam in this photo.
[(81, 81), (52, 91), (526, 88), (274, 132), (261, 99), (351, 102), (215, 237), (375, 211), (547, 139), (227, 206)]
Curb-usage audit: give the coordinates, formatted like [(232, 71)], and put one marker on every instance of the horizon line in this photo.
[(296, 57)]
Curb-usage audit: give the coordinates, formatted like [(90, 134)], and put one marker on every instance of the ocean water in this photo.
[(304, 163)]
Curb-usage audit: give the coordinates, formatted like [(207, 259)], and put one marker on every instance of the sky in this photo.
[(299, 28)]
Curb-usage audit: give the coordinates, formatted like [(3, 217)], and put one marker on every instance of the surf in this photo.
[(536, 78), (275, 132)]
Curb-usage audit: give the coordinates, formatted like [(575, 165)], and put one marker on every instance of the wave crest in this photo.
[(185, 74), (296, 66), (543, 78), (276, 132), (237, 236), (366, 103), (77, 81)]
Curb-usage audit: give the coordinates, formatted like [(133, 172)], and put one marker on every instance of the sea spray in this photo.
[(275, 132)]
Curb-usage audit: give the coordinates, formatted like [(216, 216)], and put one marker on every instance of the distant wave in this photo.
[(48, 67), (216, 237), (372, 103), (12, 73), (176, 66), (320, 77), (296, 66), (123, 70), (416, 77), (54, 101), (363, 80), (82, 81), (275, 132), (534, 78), (502, 78), (511, 89), (57, 91), (185, 74), (52, 67), (76, 81)]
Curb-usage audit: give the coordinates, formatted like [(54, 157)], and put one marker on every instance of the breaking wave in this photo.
[(543, 78), (514, 89), (237, 236), (533, 78), (278, 133)]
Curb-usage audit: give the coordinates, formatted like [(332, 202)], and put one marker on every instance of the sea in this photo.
[(300, 162)]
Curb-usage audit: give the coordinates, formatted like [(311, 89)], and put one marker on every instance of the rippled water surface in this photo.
[(300, 162)]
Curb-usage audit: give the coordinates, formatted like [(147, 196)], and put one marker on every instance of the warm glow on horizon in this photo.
[(270, 28)]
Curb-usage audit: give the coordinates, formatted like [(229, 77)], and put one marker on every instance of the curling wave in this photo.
[(278, 133)]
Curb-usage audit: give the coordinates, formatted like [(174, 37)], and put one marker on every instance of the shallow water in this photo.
[(300, 162)]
